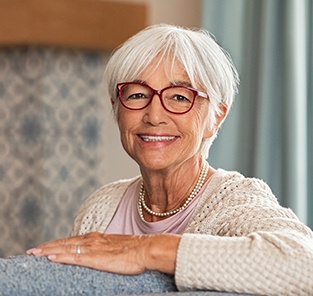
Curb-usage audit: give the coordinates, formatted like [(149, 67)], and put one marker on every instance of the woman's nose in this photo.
[(155, 113)]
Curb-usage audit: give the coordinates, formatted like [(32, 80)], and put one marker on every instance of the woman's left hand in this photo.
[(124, 254)]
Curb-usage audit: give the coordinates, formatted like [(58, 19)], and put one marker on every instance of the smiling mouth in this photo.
[(156, 138)]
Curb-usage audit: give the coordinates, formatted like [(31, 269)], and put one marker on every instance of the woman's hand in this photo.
[(124, 254)]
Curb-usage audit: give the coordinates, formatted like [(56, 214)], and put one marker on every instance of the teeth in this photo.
[(157, 138)]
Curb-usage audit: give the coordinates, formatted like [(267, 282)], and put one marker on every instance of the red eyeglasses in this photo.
[(177, 99)]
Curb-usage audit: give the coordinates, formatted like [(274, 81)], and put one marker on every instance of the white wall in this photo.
[(178, 12)]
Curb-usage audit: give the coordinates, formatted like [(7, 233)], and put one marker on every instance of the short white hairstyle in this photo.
[(207, 64)]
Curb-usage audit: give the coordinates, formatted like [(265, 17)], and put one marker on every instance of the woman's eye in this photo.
[(137, 96), (180, 98)]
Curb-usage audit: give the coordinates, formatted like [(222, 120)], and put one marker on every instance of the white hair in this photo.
[(207, 65)]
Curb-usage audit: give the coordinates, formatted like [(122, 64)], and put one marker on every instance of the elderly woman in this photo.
[(171, 88)]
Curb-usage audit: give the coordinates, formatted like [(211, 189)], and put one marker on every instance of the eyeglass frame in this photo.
[(159, 92)]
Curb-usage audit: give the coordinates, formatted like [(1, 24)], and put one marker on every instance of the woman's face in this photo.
[(157, 139)]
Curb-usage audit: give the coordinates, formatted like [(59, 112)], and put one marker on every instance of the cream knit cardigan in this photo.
[(239, 238)]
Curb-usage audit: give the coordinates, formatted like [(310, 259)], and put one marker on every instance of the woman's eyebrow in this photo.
[(181, 82), (140, 81), (172, 83)]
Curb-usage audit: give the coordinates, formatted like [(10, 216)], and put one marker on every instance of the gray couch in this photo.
[(27, 276)]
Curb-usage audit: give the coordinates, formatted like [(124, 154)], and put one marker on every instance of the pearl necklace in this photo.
[(194, 192)]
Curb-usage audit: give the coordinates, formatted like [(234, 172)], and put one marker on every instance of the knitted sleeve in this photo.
[(97, 211), (241, 240)]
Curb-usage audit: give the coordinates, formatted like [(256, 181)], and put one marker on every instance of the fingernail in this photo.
[(34, 251), (52, 257)]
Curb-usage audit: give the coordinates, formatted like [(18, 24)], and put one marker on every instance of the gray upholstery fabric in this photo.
[(198, 293), (27, 275)]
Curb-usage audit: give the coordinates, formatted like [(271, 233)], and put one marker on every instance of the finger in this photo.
[(65, 258), (88, 239), (34, 251), (104, 261), (59, 243), (48, 249), (62, 242)]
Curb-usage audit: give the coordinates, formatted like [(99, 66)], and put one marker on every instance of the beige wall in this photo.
[(179, 12)]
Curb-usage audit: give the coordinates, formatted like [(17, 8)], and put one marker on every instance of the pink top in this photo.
[(127, 220)]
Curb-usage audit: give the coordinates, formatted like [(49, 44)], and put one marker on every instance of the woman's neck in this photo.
[(167, 190)]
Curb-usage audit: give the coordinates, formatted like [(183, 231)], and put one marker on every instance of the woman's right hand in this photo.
[(124, 254)]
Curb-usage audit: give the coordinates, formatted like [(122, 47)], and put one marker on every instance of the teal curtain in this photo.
[(269, 132)]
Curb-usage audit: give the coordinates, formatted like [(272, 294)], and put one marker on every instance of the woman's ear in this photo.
[(219, 118), (112, 103)]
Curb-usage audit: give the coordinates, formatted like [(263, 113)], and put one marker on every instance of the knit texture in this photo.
[(252, 244)]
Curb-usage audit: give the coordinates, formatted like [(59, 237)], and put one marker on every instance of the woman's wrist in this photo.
[(160, 252)]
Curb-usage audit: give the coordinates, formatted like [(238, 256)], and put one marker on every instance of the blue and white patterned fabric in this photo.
[(51, 144)]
